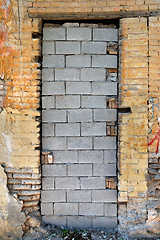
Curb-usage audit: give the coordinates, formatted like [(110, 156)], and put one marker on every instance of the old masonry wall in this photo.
[(20, 86)]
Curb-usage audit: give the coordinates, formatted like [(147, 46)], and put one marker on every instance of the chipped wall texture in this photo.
[(139, 133)]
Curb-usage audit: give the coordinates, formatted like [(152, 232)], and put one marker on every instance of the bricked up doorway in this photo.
[(79, 125)]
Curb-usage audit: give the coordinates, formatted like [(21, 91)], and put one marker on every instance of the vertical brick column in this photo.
[(133, 127), (78, 82)]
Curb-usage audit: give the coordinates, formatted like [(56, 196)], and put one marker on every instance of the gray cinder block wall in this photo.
[(75, 89)]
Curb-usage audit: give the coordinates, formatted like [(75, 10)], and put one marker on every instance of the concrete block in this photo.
[(78, 88), (48, 102), (54, 34), (104, 88), (53, 61), (108, 61), (79, 222), (47, 74), (79, 170), (65, 157), (53, 196), (79, 115), (77, 143), (107, 195), (104, 170), (67, 129), (48, 48), (92, 183), (105, 143), (91, 156), (93, 74), (67, 183), (48, 183), (48, 130), (53, 115), (78, 61), (67, 47), (94, 48), (91, 209), (66, 208), (53, 88), (93, 102), (53, 170), (68, 101), (105, 115), (110, 156), (55, 220), (46, 208), (93, 129), (104, 222), (67, 74), (55, 143), (105, 34), (110, 209), (79, 196), (78, 34)]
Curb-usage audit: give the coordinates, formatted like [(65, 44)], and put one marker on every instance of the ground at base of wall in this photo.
[(51, 232)]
